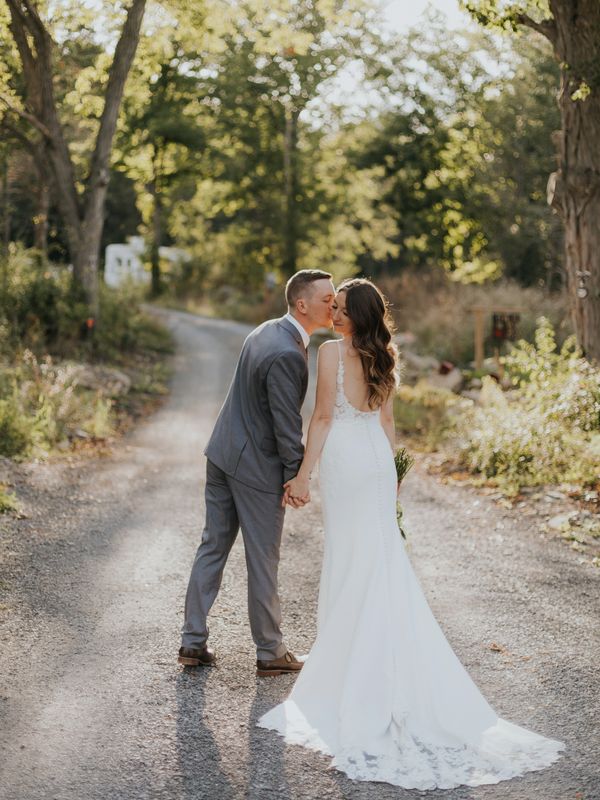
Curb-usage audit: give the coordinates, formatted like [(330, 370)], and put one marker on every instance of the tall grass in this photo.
[(439, 312), (44, 402)]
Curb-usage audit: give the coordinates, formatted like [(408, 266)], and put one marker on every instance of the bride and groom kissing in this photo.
[(381, 690)]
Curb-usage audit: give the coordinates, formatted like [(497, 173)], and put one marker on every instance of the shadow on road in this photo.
[(266, 750), (198, 754)]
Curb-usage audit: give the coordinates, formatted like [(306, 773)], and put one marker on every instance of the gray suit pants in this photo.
[(231, 505)]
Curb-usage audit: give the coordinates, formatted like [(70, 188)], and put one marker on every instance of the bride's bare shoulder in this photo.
[(328, 351)]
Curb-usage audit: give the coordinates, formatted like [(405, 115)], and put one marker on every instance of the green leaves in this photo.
[(505, 14), (547, 432)]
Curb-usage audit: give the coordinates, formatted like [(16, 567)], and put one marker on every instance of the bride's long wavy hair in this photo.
[(369, 314)]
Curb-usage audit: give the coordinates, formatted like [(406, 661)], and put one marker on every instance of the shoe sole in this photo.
[(265, 673), (194, 662)]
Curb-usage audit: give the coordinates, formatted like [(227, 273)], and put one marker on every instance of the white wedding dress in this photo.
[(382, 691)]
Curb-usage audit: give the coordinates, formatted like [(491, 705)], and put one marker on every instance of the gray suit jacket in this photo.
[(257, 438)]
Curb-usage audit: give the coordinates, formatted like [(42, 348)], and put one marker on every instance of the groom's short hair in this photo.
[(297, 285)]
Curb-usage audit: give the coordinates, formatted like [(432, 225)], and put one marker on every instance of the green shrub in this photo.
[(15, 429), (561, 383), (42, 405), (45, 399), (547, 430), (41, 311), (39, 308), (8, 501)]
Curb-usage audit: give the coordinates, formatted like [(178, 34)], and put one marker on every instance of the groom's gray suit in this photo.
[(255, 447)]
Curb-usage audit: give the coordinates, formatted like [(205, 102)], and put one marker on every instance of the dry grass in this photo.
[(438, 311)]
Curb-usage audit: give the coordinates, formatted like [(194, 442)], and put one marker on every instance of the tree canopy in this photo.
[(228, 139)]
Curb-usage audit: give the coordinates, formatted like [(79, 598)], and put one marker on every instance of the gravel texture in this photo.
[(92, 582)]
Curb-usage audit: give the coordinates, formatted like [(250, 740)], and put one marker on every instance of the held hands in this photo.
[(296, 492)]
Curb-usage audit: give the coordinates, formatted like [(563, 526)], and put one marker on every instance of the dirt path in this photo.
[(92, 702)]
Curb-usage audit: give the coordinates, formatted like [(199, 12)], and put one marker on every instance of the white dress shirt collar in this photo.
[(296, 324)]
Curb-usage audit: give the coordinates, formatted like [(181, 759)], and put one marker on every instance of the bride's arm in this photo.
[(321, 419), (387, 421)]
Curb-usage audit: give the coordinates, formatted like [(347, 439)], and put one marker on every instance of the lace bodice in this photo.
[(343, 409)]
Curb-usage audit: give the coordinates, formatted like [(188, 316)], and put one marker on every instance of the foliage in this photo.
[(15, 429), (126, 329), (558, 381), (465, 153), (506, 14), (8, 501), (43, 400), (42, 406), (265, 194), (548, 431), (448, 168), (40, 310), (33, 96)]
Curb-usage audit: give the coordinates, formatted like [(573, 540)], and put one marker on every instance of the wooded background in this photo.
[(218, 127)]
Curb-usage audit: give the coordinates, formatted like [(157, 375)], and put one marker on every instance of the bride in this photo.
[(381, 691)]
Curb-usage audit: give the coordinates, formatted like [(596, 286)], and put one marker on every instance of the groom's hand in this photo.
[(296, 493), (294, 502)]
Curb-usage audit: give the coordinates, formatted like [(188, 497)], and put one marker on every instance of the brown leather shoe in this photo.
[(278, 666), (196, 657)]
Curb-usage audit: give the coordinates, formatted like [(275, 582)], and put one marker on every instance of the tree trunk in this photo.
[(290, 152), (83, 216), (157, 218), (5, 227), (577, 190), (85, 264), (154, 189), (5, 212), (40, 220)]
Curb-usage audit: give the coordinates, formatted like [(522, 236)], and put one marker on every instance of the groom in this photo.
[(256, 446)]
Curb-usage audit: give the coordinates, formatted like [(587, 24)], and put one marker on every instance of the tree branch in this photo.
[(32, 18), (16, 133), (547, 27), (20, 112)]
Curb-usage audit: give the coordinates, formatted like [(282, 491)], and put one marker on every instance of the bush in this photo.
[(8, 501), (125, 328), (41, 311), (45, 397), (43, 405), (15, 429), (548, 430)]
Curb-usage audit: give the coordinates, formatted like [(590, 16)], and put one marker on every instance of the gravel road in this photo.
[(93, 704)]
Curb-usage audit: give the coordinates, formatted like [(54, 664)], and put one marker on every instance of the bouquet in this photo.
[(403, 462)]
